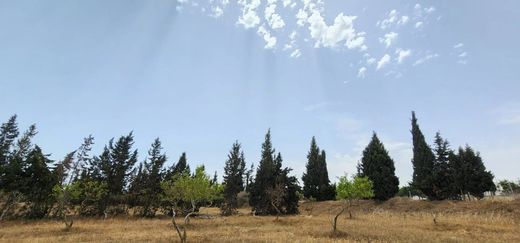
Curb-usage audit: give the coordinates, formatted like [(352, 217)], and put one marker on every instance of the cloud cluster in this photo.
[(288, 25), (461, 54)]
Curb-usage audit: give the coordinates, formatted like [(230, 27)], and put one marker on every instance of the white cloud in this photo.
[(362, 72), (419, 25), (217, 11), (342, 31), (464, 54), (463, 62), (402, 54), (386, 23), (371, 61), (296, 53), (457, 46), (270, 41), (249, 18), (286, 3), (383, 61), (404, 19), (274, 19), (425, 58), (429, 10), (389, 38)]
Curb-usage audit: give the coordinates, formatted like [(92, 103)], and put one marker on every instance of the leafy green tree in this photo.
[(423, 161), (270, 172), (194, 189), (316, 183), (377, 165), (350, 191), (233, 179)]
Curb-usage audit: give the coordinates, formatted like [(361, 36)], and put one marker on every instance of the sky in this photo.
[(201, 74)]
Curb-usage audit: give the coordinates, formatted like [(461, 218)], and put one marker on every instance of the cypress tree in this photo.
[(180, 167), (422, 161), (377, 165), (316, 183), (39, 182), (442, 172), (8, 134), (233, 179), (270, 178), (470, 174)]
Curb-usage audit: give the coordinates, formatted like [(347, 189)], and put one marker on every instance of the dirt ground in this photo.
[(398, 220)]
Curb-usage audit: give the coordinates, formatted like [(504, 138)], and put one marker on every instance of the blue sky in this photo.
[(201, 74)]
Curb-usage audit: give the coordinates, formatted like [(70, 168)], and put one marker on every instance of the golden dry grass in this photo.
[(389, 222)]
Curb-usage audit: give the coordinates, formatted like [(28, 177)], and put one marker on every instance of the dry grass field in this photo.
[(398, 220)]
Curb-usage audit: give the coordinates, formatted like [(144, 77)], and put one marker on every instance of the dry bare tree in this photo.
[(276, 196)]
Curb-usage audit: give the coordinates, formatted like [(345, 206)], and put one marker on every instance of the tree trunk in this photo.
[(182, 236), (335, 220)]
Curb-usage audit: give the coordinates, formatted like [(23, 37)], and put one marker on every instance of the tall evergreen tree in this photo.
[(316, 183), (233, 179), (153, 175), (470, 174), (268, 177), (39, 182), (422, 161), (442, 172), (180, 167), (377, 165), (8, 134)]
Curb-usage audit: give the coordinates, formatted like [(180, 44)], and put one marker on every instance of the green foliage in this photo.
[(39, 183), (268, 177), (316, 183), (233, 179), (145, 187), (508, 187), (194, 189), (357, 188), (377, 165), (470, 174), (423, 161), (442, 175)]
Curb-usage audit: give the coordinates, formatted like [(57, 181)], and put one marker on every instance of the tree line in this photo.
[(115, 182)]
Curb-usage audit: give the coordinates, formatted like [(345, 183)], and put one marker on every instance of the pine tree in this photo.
[(422, 161), (153, 175), (8, 134), (39, 182), (270, 176), (316, 182), (181, 167), (233, 179), (122, 163), (377, 165), (442, 171), (470, 174)]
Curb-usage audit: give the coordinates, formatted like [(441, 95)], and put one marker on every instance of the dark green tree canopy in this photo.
[(422, 161), (316, 183), (377, 165), (270, 178), (234, 171)]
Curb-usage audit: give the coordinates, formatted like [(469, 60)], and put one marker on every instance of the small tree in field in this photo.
[(350, 191)]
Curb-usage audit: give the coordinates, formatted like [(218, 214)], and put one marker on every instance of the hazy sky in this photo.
[(201, 74)]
